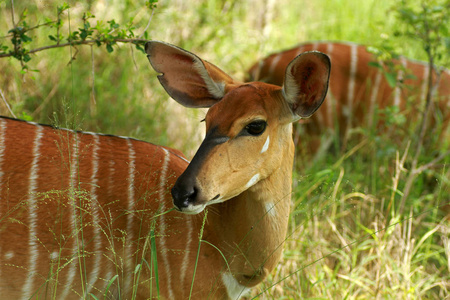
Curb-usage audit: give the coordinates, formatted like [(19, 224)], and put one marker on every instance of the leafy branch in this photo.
[(107, 33), (429, 23), (426, 22)]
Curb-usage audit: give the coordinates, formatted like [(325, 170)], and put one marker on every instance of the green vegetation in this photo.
[(349, 236)]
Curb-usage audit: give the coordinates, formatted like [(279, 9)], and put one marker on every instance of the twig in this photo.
[(148, 24), (28, 29), (46, 100), (7, 104), (12, 13), (431, 163), (399, 168), (93, 102)]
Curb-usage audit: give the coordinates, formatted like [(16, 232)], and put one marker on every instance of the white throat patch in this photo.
[(270, 209), (234, 289)]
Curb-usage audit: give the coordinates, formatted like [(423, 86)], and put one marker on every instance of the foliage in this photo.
[(107, 33)]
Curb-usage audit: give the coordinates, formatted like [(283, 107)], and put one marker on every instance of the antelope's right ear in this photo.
[(188, 79), (306, 83)]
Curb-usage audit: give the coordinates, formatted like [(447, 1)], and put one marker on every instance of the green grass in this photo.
[(348, 238)]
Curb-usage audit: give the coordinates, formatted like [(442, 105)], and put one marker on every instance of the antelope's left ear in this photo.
[(306, 83)]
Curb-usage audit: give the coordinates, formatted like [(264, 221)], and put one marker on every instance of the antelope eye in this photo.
[(256, 128)]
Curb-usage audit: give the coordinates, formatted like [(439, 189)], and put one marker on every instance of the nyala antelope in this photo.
[(357, 89), (85, 214)]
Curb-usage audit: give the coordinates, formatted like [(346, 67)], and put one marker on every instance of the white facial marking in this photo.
[(266, 145), (270, 209), (252, 181)]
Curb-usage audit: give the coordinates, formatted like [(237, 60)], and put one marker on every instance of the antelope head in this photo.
[(248, 125)]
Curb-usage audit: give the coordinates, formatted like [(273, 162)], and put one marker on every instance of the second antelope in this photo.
[(86, 214), (357, 89)]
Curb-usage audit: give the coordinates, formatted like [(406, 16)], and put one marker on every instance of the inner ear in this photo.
[(306, 82), (187, 78)]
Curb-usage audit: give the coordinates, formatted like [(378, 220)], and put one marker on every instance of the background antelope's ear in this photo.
[(306, 83), (188, 79)]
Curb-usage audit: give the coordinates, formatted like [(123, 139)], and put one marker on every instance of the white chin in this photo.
[(193, 209)]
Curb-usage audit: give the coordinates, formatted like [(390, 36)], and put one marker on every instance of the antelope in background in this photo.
[(357, 89), (83, 213)]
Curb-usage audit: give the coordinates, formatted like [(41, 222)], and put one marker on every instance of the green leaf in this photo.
[(26, 58), (63, 7), (391, 78), (26, 117), (83, 34), (139, 47), (110, 282), (411, 76), (375, 64), (151, 3), (109, 48), (25, 38)]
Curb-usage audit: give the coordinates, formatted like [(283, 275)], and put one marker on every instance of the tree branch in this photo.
[(76, 43)]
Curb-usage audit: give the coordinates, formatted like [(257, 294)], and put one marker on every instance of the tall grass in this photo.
[(347, 239)]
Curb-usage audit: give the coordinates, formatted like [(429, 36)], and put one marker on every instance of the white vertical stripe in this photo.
[(274, 64), (2, 153), (28, 287), (423, 87), (256, 76), (2, 147), (162, 192), (130, 213), (111, 174), (71, 265), (352, 82), (185, 264), (299, 51), (374, 97), (330, 47), (398, 89), (95, 273)]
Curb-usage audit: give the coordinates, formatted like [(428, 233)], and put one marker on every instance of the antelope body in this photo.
[(89, 214), (357, 89)]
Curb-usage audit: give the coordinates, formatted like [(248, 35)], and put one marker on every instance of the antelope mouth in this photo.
[(191, 209), (196, 208)]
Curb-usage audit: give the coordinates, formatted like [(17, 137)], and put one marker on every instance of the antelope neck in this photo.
[(251, 228)]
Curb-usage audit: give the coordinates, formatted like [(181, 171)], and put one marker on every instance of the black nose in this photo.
[(182, 197)]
